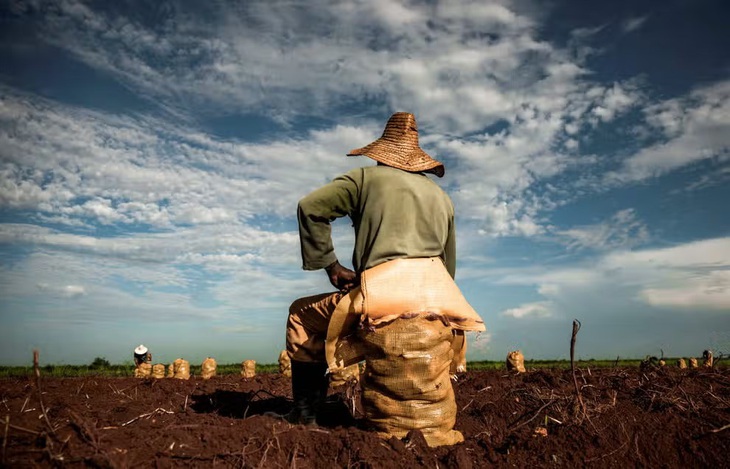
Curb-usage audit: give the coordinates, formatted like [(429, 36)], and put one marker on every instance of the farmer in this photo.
[(141, 355), (397, 213)]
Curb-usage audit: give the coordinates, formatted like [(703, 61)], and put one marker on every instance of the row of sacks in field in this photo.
[(708, 361), (180, 369), (516, 361)]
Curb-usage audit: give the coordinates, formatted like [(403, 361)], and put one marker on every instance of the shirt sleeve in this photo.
[(315, 213), (450, 249)]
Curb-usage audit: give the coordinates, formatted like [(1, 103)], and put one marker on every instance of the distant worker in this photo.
[(142, 355), (397, 213)]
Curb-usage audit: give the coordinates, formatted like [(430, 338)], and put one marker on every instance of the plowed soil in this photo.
[(629, 418)]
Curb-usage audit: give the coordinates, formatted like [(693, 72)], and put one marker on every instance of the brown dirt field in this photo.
[(633, 418)]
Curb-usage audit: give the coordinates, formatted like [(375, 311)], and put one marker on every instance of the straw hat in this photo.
[(398, 147), (141, 350)]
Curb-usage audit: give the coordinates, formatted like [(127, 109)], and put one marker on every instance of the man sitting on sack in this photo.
[(398, 213)]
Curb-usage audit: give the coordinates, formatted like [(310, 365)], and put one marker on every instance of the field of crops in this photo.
[(620, 417)]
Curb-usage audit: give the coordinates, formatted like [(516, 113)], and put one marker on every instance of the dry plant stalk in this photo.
[(5, 436), (37, 372), (574, 335)]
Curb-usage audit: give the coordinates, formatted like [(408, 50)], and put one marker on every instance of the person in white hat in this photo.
[(142, 355), (397, 213)]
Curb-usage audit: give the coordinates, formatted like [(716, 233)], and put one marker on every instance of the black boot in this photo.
[(309, 387)]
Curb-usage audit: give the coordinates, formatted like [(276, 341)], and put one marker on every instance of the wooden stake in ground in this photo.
[(37, 371), (576, 328)]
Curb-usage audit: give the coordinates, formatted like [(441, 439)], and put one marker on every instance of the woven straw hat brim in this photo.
[(398, 147), (401, 155)]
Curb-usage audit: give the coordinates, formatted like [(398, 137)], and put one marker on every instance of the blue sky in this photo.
[(152, 155)]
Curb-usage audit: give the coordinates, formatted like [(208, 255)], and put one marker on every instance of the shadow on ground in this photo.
[(241, 405)]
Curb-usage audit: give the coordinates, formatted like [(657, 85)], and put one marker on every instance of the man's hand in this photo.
[(341, 277)]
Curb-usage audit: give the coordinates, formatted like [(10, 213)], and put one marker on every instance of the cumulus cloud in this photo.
[(462, 67), (119, 170), (710, 291), (690, 129), (540, 309), (622, 230), (267, 57), (217, 247), (688, 277), (614, 100)]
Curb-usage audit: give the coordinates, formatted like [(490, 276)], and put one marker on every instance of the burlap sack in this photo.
[(662, 363), (173, 367), (143, 370), (516, 362), (248, 369), (406, 384), (207, 369), (682, 364), (158, 371), (285, 364), (345, 376), (182, 369), (693, 363), (402, 287)]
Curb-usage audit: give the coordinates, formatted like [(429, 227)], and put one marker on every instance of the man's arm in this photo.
[(450, 250), (316, 211)]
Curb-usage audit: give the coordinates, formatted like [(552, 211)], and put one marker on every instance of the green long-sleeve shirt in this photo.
[(396, 214)]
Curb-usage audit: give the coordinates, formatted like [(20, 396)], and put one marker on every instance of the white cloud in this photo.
[(688, 277), (459, 66), (694, 128), (64, 291), (709, 291), (710, 179), (540, 309), (123, 170), (622, 230), (616, 100), (478, 343), (216, 247), (709, 253), (634, 23)]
